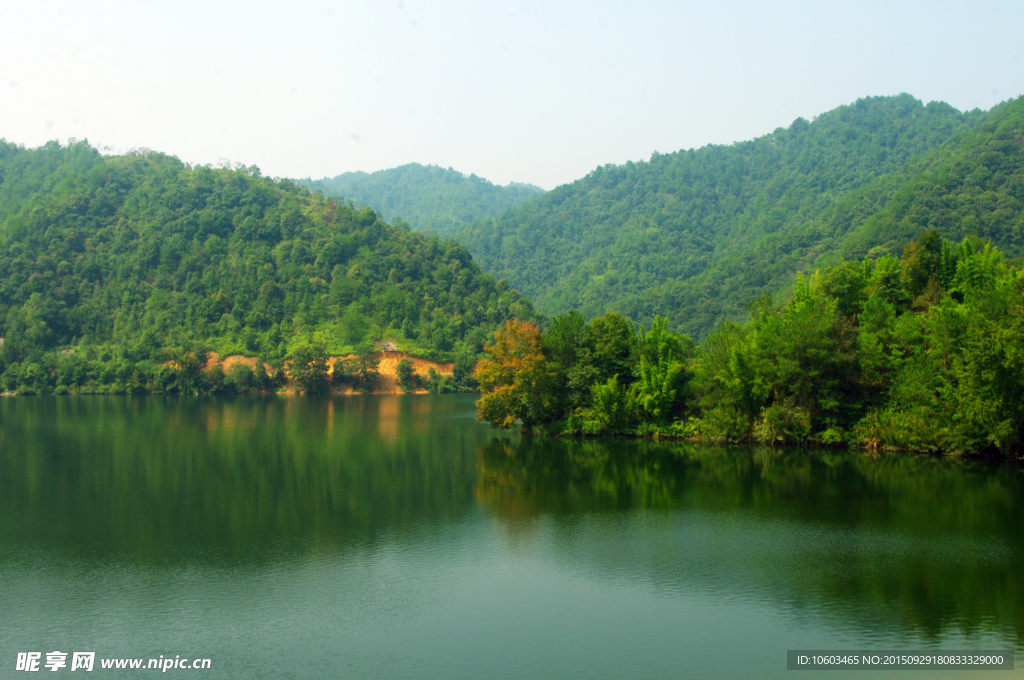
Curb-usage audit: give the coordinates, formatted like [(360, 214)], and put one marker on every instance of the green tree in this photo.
[(660, 389), (143, 253), (698, 233), (462, 371), (728, 389), (407, 377), (806, 352), (611, 411), (365, 365), (308, 368), (190, 364)]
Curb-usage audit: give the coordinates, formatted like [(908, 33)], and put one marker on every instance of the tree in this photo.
[(805, 352), (517, 382), (611, 409), (729, 391), (928, 268), (564, 343), (436, 382), (612, 347), (462, 371), (309, 368), (365, 365), (604, 349), (563, 339), (407, 377), (143, 253), (660, 388), (242, 379), (191, 365)]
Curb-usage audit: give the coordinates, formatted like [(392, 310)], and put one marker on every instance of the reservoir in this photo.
[(397, 537)]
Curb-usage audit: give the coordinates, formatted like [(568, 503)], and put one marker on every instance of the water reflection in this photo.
[(403, 511), (893, 543), (156, 478)]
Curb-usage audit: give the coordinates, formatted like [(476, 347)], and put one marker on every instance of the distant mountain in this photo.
[(428, 197), (697, 234)]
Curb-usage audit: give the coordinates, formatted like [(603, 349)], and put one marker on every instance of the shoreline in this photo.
[(385, 383), (987, 455)]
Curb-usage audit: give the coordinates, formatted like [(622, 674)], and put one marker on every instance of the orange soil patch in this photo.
[(388, 370), (389, 364), (233, 360), (228, 362)]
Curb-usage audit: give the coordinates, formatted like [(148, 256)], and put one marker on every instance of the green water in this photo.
[(396, 537)]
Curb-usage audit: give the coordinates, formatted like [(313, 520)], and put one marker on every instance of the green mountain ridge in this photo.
[(428, 197), (696, 235), (141, 253), (123, 259), (971, 186)]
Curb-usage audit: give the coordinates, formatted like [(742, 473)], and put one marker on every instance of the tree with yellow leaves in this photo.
[(517, 382)]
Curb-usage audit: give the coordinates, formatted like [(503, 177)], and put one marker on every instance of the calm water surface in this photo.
[(395, 537)]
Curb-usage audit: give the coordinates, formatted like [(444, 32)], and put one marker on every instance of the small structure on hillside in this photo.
[(389, 347)]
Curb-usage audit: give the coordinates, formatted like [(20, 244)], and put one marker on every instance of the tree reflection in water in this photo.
[(922, 544)]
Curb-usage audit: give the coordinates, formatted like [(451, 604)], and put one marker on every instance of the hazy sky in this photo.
[(539, 92)]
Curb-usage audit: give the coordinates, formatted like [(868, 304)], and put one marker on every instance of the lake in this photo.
[(397, 537)]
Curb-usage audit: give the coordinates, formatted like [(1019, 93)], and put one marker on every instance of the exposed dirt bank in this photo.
[(387, 369)]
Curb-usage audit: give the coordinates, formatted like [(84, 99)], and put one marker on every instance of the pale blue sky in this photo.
[(539, 92)]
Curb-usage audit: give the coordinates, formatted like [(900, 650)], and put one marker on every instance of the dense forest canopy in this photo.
[(25, 175), (141, 253), (429, 198), (925, 352), (973, 186), (696, 235)]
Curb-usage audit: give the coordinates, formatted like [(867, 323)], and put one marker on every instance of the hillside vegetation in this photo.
[(972, 186), (428, 197), (696, 235), (925, 352), (111, 268)]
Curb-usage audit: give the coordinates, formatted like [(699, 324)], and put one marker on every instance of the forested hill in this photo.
[(142, 252), (698, 234), (972, 186), (428, 197), (24, 175)]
